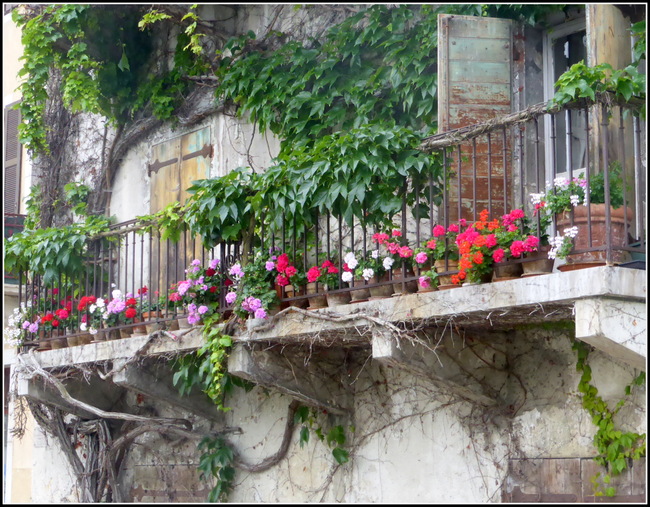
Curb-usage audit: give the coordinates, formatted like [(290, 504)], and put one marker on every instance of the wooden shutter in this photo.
[(474, 85), (12, 160)]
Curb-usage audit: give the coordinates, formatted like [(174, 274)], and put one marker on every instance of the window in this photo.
[(566, 148)]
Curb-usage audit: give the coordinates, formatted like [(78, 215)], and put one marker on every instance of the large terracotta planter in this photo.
[(619, 217)]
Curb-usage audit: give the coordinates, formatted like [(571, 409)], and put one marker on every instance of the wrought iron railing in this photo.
[(494, 166)]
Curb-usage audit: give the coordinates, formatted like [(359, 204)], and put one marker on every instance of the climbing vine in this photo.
[(614, 446)]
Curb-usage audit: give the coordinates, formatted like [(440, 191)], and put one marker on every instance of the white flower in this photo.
[(388, 262), (536, 198), (561, 182), (117, 294), (100, 303), (346, 276), (92, 308), (92, 330), (368, 273), (83, 326), (575, 200), (375, 254), (572, 232), (351, 260)]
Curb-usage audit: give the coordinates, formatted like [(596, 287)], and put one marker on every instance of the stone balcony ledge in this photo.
[(570, 296)]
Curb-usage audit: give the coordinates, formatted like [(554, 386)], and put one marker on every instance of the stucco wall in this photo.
[(412, 441)]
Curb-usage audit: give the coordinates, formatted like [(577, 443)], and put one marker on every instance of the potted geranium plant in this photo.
[(514, 241), (253, 293), (443, 250), (574, 204), (402, 260)]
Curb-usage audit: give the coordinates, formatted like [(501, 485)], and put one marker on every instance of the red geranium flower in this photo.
[(282, 262)]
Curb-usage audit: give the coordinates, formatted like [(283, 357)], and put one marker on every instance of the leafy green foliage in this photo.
[(638, 51), (76, 195), (220, 209), (581, 81), (54, 250), (101, 56), (335, 436), (168, 221), (614, 446), (216, 461), (207, 367), (616, 189)]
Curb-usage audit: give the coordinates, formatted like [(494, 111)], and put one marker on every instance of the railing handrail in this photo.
[(455, 136)]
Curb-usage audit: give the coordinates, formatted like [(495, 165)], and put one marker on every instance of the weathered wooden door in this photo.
[(176, 164)]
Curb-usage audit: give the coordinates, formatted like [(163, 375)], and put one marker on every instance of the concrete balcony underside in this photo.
[(607, 305)]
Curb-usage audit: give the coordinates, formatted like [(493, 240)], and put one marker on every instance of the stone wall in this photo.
[(412, 441)]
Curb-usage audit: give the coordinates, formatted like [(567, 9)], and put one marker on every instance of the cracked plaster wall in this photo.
[(412, 442)]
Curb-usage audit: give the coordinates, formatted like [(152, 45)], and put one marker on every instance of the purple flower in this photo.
[(26, 324), (270, 265), (251, 304), (193, 318), (202, 309), (116, 306), (230, 297), (260, 313), (236, 271), (214, 263), (33, 328), (183, 287), (196, 262), (191, 308)]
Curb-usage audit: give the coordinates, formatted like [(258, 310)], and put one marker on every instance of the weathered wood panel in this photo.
[(475, 80), (569, 480)]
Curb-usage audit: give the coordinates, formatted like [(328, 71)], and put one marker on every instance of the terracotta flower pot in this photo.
[(537, 263), (183, 323), (59, 343), (291, 291), (506, 271), (338, 298), (315, 302), (619, 217), (83, 339), (400, 287), (444, 281), (380, 291), (360, 293)]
